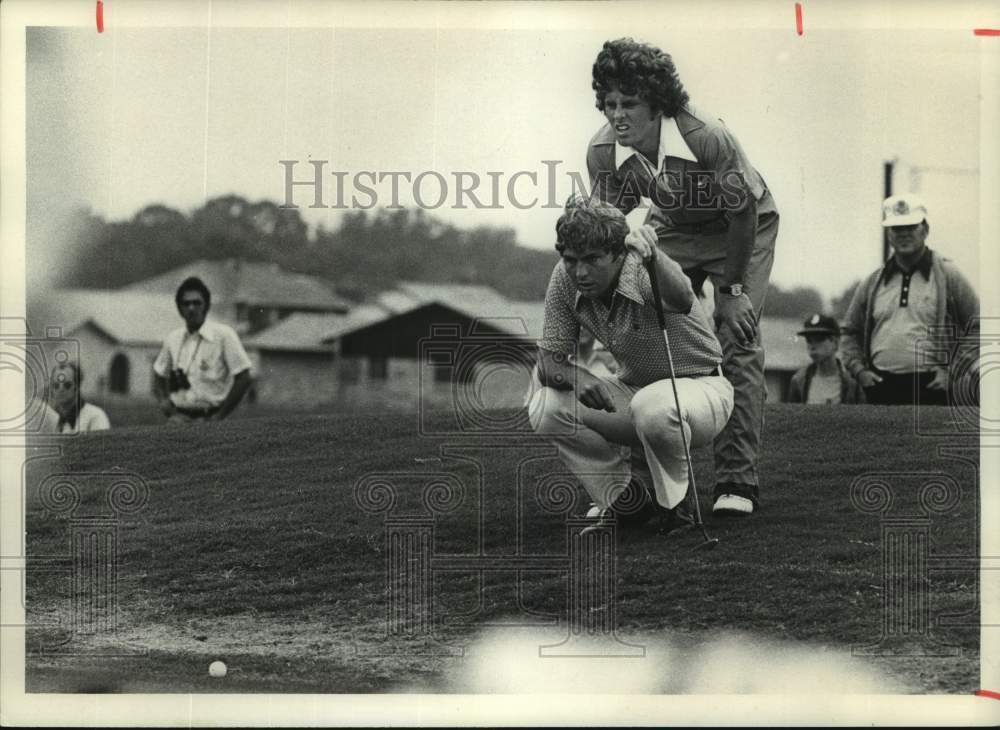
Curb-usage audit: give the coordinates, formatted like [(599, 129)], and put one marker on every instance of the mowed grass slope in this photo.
[(252, 548)]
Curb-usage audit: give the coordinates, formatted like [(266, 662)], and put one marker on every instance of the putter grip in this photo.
[(654, 282)]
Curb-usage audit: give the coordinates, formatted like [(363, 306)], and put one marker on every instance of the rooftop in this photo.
[(127, 317), (252, 283), (306, 332)]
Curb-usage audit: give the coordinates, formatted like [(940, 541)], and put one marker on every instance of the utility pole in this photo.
[(887, 191)]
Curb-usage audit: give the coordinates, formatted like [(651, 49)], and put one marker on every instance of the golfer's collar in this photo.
[(628, 279), (672, 144), (923, 265)]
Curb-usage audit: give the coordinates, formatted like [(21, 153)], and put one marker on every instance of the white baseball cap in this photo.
[(903, 210)]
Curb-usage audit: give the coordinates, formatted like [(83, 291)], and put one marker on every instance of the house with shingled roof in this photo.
[(375, 356), (379, 355), (252, 295), (418, 344), (119, 334), (120, 331)]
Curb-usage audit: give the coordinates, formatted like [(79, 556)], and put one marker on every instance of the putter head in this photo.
[(708, 544)]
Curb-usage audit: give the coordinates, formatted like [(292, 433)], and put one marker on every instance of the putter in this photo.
[(709, 542)]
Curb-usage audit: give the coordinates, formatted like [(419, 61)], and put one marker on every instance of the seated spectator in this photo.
[(69, 412), (826, 381)]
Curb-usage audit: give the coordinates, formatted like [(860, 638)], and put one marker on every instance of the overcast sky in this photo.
[(130, 117)]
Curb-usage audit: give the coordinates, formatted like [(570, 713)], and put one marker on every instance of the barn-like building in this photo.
[(414, 346)]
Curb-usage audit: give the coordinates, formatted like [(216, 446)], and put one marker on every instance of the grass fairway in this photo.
[(252, 549)]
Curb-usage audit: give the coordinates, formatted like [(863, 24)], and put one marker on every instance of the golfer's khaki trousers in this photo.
[(596, 445), (702, 256)]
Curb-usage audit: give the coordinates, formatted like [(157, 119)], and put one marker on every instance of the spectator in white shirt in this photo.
[(202, 371), (67, 411)]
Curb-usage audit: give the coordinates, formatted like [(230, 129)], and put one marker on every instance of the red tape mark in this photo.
[(986, 31), (798, 18), (100, 16), (986, 692)]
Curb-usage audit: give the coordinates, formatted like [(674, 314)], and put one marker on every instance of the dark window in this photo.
[(378, 368), (118, 374), (260, 318)]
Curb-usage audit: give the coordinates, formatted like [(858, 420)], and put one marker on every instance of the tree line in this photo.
[(368, 252)]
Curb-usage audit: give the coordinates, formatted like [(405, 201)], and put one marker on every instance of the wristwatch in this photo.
[(733, 290)]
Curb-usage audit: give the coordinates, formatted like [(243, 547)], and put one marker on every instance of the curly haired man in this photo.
[(710, 211)]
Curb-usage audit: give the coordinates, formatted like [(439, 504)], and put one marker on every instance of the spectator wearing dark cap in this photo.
[(826, 381), (912, 320)]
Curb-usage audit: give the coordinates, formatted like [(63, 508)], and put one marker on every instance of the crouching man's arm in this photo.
[(556, 371), (675, 287)]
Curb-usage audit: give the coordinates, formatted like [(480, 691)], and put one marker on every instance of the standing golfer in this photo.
[(602, 285), (711, 212)]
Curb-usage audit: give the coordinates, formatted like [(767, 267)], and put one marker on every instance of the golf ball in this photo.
[(217, 669)]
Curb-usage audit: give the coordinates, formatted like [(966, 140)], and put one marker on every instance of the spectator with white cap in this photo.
[(911, 320)]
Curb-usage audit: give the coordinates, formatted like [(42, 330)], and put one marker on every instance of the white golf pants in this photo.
[(594, 445)]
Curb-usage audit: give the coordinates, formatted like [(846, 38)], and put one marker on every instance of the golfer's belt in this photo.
[(715, 225)]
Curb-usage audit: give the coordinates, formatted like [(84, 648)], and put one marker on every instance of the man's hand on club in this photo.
[(866, 378), (642, 241), (595, 394), (737, 314), (940, 381)]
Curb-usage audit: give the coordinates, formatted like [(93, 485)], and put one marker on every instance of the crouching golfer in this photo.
[(602, 285)]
